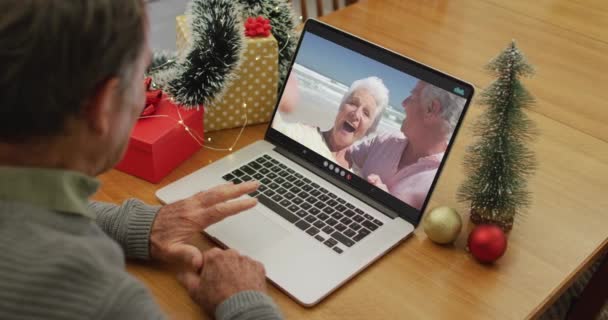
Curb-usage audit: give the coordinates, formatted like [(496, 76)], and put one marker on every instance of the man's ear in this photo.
[(101, 106), (433, 110)]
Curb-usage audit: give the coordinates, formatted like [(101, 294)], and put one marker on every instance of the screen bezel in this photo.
[(389, 58)]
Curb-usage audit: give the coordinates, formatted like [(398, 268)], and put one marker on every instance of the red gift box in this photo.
[(159, 142)]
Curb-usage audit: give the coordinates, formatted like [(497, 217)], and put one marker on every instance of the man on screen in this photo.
[(405, 163)]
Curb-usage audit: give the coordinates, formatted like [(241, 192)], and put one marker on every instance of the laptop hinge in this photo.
[(337, 182)]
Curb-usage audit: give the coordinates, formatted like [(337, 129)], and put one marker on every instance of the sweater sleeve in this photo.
[(128, 224), (248, 305)]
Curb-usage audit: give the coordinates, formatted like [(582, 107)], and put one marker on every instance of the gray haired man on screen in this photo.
[(70, 92)]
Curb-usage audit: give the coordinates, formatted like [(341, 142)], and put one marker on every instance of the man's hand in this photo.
[(224, 274), (176, 223), (376, 181)]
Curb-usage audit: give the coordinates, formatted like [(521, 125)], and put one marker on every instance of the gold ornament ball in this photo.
[(442, 225)]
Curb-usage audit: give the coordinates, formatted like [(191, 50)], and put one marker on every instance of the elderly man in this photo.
[(405, 164), (70, 92)]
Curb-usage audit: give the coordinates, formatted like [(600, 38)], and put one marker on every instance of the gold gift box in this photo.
[(252, 95)]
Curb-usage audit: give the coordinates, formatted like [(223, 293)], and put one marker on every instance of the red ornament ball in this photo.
[(487, 243)]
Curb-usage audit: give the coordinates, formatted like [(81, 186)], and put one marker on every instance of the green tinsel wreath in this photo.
[(218, 42)]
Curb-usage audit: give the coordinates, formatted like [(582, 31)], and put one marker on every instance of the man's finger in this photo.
[(226, 192), (223, 210), (190, 281)]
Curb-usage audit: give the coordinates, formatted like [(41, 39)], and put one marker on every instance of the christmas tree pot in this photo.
[(504, 221)]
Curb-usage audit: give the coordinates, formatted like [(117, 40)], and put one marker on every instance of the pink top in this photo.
[(381, 155)]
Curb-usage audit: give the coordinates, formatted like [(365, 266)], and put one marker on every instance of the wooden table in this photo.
[(566, 227)]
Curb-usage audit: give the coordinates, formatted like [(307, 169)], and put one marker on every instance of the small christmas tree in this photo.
[(499, 163)]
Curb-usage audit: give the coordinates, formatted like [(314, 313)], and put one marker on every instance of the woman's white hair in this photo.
[(379, 92), (451, 105)]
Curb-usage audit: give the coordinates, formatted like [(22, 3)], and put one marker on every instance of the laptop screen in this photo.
[(374, 120)]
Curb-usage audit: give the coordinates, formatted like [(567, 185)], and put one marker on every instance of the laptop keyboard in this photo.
[(313, 209)]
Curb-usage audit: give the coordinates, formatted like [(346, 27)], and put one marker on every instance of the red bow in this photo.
[(153, 97), (257, 27)]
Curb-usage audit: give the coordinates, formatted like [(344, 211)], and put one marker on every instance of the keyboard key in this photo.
[(277, 198), (301, 213), (346, 221), (293, 208), (340, 208), (283, 173), (297, 200), (378, 222), (350, 233), (237, 173), (329, 210), (298, 175), (281, 191), (315, 193), (269, 193), (314, 211), (340, 227), (295, 190), (320, 205), (306, 180), (330, 242), (350, 206), (362, 234), (311, 200), (310, 219), (228, 177), (287, 185), (323, 216), (273, 186), (306, 188), (318, 237), (285, 203), (246, 178), (282, 166), (312, 231), (319, 224), (271, 176), (337, 215), (258, 176), (332, 222), (237, 181), (343, 239), (303, 195), (265, 181), (368, 224), (247, 169), (358, 218), (323, 190), (255, 165), (279, 180), (289, 195), (268, 164), (278, 209), (368, 217), (260, 160), (332, 196), (359, 211), (302, 225), (254, 194), (342, 201), (355, 226), (323, 197), (337, 249), (314, 185), (267, 157), (349, 213), (262, 188), (328, 230), (290, 171), (264, 171), (305, 205)]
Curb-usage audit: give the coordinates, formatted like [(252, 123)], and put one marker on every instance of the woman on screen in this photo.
[(358, 115)]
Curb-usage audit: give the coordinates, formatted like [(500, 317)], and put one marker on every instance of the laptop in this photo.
[(319, 220)]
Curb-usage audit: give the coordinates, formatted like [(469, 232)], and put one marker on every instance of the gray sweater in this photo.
[(62, 259)]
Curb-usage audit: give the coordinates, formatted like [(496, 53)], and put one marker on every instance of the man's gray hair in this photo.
[(451, 105), (375, 86), (54, 55)]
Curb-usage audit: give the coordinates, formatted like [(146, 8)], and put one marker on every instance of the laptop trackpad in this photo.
[(248, 232)]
